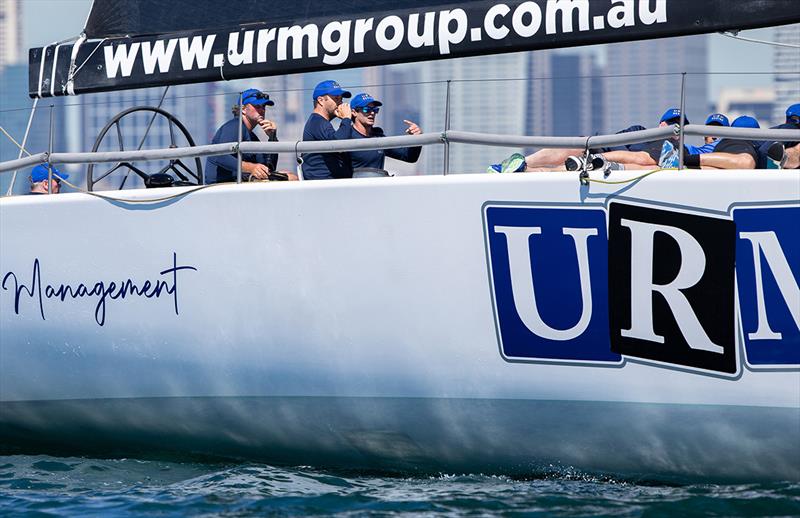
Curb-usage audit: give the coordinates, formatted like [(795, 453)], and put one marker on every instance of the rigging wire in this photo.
[(735, 35)]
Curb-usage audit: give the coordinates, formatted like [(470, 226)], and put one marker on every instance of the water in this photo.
[(43, 485)]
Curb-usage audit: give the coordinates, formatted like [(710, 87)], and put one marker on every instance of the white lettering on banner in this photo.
[(622, 15), (265, 37), (337, 50), (691, 270), (245, 57), (398, 33), (118, 59), (648, 17), (156, 54), (768, 244), (518, 19), (334, 39), (522, 284), (446, 36), (565, 9), (417, 40), (297, 34), (495, 32), (362, 28), (198, 51)]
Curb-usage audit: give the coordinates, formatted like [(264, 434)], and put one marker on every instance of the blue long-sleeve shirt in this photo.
[(705, 148), (324, 166), (374, 159), (222, 168)]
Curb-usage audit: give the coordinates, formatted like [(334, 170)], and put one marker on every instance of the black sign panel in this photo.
[(671, 287), (190, 41)]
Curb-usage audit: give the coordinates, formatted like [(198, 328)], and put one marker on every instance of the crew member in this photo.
[(709, 143), (223, 168), (729, 153), (328, 105), (39, 176), (645, 155), (365, 108), (784, 155)]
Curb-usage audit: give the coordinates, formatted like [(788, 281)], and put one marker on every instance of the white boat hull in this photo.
[(361, 323)]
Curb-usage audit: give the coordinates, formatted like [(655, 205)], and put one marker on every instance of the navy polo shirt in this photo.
[(222, 168), (374, 159)]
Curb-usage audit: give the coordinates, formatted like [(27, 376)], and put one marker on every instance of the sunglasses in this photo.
[(367, 109)]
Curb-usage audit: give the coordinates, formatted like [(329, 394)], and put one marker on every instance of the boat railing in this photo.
[(451, 136)]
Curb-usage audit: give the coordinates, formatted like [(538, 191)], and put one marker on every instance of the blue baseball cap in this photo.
[(363, 99), (256, 98), (673, 113), (329, 87), (793, 111), (745, 122), (717, 119), (39, 174)]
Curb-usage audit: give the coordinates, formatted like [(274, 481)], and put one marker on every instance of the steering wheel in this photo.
[(175, 173)]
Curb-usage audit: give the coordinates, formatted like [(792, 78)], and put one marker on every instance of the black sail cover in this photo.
[(144, 43)]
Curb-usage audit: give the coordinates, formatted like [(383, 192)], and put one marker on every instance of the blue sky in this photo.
[(46, 21)]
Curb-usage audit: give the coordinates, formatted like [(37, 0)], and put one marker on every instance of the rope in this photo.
[(629, 180), (735, 36), (14, 141), (78, 69), (129, 200)]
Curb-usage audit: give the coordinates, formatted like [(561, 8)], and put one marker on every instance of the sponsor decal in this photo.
[(103, 292), (549, 270), (768, 275), (659, 286), (672, 287)]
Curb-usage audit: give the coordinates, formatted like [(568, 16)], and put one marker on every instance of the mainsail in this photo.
[(145, 43)]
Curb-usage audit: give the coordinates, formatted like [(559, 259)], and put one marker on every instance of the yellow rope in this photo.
[(629, 180)]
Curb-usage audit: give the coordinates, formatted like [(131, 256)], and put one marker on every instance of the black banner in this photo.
[(191, 41)]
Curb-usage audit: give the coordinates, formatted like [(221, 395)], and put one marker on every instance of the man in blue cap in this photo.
[(365, 109), (223, 168), (729, 153), (715, 119), (782, 155), (328, 105), (39, 176)]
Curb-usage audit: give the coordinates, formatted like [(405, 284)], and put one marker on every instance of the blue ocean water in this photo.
[(70, 486)]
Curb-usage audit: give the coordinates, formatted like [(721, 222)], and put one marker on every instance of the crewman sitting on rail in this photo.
[(729, 153), (328, 105), (715, 119), (39, 176), (365, 109), (782, 155), (645, 155), (258, 166)]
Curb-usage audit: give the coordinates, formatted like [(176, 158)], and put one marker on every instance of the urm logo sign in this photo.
[(672, 287), (549, 270), (767, 272)]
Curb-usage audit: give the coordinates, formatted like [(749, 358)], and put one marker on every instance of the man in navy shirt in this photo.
[(729, 153), (365, 108), (788, 153), (328, 105), (222, 168)]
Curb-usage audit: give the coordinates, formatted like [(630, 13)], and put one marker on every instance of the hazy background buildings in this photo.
[(578, 91)]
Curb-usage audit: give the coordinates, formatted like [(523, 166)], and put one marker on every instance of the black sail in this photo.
[(145, 43)]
